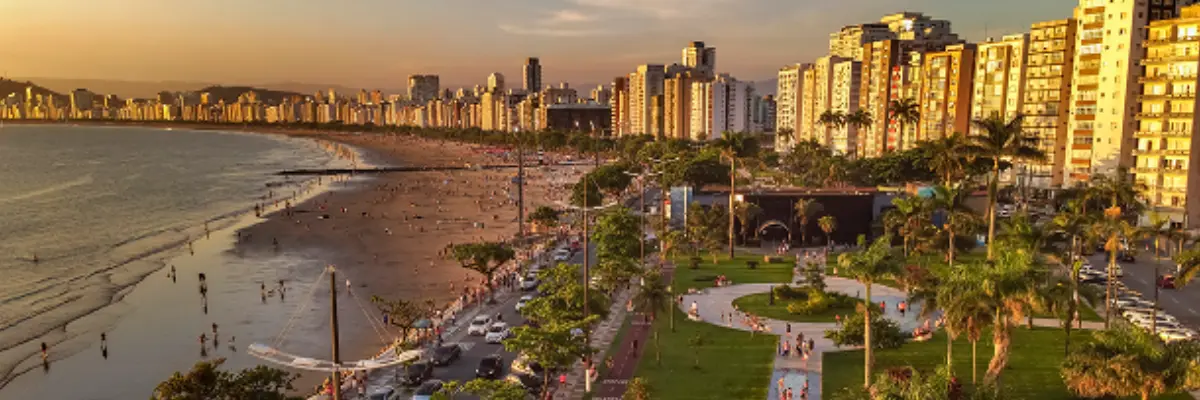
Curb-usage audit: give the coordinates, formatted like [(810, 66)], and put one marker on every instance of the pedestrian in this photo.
[(811, 344), (45, 350), (789, 328)]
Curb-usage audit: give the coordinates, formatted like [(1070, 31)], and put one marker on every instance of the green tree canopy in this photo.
[(485, 258), (206, 381)]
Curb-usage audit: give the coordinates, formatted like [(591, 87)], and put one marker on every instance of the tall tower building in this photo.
[(421, 88), (848, 41), (1047, 84), (532, 75), (879, 59), (702, 59), (788, 105), (495, 82), (677, 104), (644, 84), (620, 106), (999, 74), (822, 98), (806, 126), (946, 92), (718, 106), (1165, 134), (844, 97)]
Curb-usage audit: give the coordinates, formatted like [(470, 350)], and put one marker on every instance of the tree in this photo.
[(785, 138), (612, 178), (735, 147), (860, 119), (584, 196), (832, 119), (206, 381), (828, 224), (563, 299), (948, 157), (489, 389), (485, 258), (746, 212), (805, 210), (639, 389), (652, 298), (554, 346), (706, 228), (1002, 288), (1114, 229), (868, 265), (696, 342), (908, 218), (544, 216), (998, 140), (905, 111), (1131, 362), (617, 234), (402, 314), (959, 219)]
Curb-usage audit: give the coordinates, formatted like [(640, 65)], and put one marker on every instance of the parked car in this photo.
[(479, 325), (1126, 256), (497, 333), (562, 255), (1176, 334), (523, 301), (446, 354), (382, 393), (1166, 281), (427, 389), (490, 367), (530, 282), (416, 373)]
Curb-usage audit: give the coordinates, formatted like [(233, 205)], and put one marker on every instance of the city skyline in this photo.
[(579, 41)]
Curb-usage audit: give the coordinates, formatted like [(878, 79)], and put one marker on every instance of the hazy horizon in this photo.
[(378, 43)]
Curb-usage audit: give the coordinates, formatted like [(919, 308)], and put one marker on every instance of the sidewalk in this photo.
[(627, 355)]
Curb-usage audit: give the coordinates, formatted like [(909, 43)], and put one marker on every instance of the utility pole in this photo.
[(337, 360), (520, 189)]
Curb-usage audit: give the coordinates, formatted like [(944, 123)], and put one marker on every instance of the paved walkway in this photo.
[(712, 303), (628, 353)]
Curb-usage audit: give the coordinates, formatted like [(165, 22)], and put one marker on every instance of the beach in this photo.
[(382, 232)]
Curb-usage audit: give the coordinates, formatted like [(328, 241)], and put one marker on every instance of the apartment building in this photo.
[(1048, 70), (718, 106), (999, 74), (677, 104), (848, 41), (703, 60), (879, 59), (421, 89), (844, 96), (619, 102), (946, 92), (806, 126), (1165, 135), (644, 84), (789, 93), (822, 98)]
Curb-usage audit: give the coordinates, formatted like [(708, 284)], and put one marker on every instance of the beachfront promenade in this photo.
[(712, 303)]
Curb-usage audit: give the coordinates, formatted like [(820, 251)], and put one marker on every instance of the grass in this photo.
[(735, 270), (757, 304), (1032, 373), (734, 364)]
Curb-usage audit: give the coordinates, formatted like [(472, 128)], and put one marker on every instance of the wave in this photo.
[(84, 180)]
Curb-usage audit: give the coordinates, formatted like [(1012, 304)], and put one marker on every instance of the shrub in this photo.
[(818, 302), (885, 334), (695, 262), (786, 292), (752, 264)]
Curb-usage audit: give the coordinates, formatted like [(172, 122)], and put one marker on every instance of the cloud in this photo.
[(570, 16), (539, 30), (659, 9)]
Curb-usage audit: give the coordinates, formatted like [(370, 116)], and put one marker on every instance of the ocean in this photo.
[(89, 212)]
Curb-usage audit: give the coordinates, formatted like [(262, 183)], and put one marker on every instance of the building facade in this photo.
[(1049, 65), (644, 84), (421, 88), (531, 75), (946, 92), (788, 96), (844, 97), (701, 59)]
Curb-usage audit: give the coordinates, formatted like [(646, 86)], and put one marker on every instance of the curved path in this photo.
[(713, 303)]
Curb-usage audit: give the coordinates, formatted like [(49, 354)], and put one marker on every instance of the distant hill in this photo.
[(123, 89), (10, 86), (230, 93)]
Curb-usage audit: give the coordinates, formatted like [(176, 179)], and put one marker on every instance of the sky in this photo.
[(378, 43)]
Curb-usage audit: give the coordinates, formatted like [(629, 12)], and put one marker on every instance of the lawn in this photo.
[(735, 270), (734, 364), (757, 304), (1032, 373)]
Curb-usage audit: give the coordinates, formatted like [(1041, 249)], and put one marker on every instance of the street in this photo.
[(1184, 303)]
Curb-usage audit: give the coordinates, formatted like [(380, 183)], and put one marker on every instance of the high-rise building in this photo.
[(906, 84), (677, 104), (999, 74), (532, 75), (765, 113), (601, 95), (495, 82), (81, 103), (1048, 70), (644, 84), (844, 96), (920, 29), (788, 94), (1108, 51), (1165, 136), (848, 41), (702, 59), (718, 106), (946, 92), (879, 59), (620, 106), (822, 97), (806, 126), (421, 88)]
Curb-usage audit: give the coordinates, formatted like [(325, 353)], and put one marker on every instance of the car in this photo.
[(1118, 271), (427, 389), (1176, 334), (446, 354), (1130, 303), (381, 393), (562, 255), (497, 333), (479, 325), (529, 282), (490, 367), (523, 301), (1125, 256), (416, 373), (1166, 281), (1144, 319)]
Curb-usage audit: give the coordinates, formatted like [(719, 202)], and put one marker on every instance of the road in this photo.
[(1184, 303)]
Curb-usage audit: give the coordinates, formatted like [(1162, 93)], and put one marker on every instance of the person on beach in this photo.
[(45, 351)]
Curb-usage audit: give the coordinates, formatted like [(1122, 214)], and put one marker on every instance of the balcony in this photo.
[(1173, 170), (1176, 152), (1154, 134), (1141, 152), (1167, 77), (1163, 114), (1171, 58)]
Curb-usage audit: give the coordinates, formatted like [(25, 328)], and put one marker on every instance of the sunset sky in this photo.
[(371, 43)]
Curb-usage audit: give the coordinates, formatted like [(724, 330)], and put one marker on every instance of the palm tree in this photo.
[(746, 212), (906, 111), (858, 120), (868, 265), (831, 120), (735, 147), (1130, 362), (1120, 190), (1073, 223), (805, 209), (786, 137), (828, 224), (1001, 140), (652, 298), (1158, 228), (959, 219), (1114, 229), (907, 218), (948, 156)]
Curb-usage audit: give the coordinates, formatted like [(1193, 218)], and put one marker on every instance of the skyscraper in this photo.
[(999, 72), (532, 75), (495, 82), (718, 106), (1047, 85), (423, 88), (844, 96), (946, 92), (644, 84), (702, 59), (620, 106), (788, 105)]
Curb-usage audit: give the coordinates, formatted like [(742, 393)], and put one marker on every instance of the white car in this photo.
[(562, 255), (479, 325), (1132, 303), (529, 282), (497, 333), (1175, 334), (1144, 319), (523, 301)]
